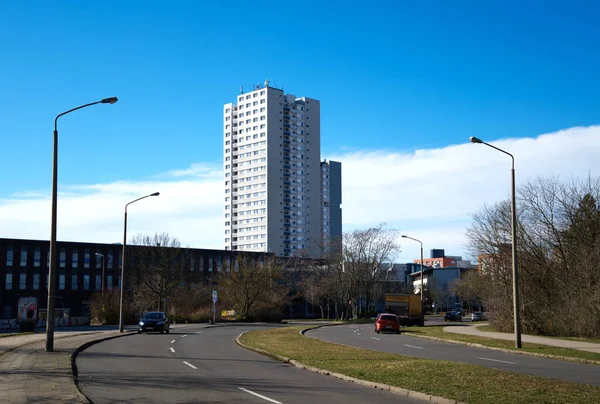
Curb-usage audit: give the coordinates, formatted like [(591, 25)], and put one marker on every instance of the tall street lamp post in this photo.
[(516, 316), (53, 270), (123, 260), (102, 283), (419, 241)]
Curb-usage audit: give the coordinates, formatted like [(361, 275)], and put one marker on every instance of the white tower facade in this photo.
[(272, 173)]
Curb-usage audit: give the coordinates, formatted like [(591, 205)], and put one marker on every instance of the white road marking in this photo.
[(378, 339), (259, 395), (190, 365), (183, 336), (198, 332), (172, 350), (497, 360), (172, 342), (414, 346)]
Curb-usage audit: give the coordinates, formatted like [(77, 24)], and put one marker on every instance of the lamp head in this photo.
[(403, 236), (474, 139), (155, 194), (111, 100)]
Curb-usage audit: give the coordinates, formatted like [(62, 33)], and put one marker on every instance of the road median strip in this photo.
[(430, 380)]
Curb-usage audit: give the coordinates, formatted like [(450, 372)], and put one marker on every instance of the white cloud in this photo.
[(428, 194)]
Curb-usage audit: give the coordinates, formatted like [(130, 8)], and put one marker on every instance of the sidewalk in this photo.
[(30, 374), (534, 339)]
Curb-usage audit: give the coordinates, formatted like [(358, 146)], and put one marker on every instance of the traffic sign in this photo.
[(214, 296)]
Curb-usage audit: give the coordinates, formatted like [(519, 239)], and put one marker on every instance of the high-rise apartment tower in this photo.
[(272, 173)]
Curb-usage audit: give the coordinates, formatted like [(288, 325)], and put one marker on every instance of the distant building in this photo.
[(439, 273), (331, 206), (24, 267), (273, 175), (438, 259)]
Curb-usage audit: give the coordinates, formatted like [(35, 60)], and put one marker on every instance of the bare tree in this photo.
[(160, 268), (363, 253), (253, 285), (558, 244)]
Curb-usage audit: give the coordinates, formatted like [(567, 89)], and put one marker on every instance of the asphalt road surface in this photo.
[(364, 336), (197, 364)]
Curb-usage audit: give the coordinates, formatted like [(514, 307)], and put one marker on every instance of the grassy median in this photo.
[(458, 381), (438, 332)]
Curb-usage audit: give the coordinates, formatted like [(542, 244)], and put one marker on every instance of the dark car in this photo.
[(154, 321), (387, 322), (454, 315)]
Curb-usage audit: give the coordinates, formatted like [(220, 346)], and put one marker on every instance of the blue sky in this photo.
[(391, 75)]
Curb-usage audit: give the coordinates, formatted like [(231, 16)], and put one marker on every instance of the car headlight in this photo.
[(141, 323), (160, 323)]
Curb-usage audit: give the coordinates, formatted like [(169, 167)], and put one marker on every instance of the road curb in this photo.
[(73, 357), (380, 386), (538, 355)]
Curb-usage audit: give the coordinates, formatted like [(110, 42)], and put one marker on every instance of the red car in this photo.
[(387, 322)]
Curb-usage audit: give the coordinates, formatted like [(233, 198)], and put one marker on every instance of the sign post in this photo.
[(214, 299)]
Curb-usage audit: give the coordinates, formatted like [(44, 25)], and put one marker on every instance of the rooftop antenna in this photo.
[(241, 89), (267, 83)]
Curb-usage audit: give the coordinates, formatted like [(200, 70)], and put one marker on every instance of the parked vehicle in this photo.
[(478, 316), (407, 308), (453, 315), (387, 322), (154, 321)]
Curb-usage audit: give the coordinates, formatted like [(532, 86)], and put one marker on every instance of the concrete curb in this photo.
[(81, 348), (381, 386), (473, 344)]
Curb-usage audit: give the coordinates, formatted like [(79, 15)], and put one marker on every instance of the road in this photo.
[(364, 336), (204, 365)]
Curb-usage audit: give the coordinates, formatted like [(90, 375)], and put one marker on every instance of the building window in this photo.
[(210, 263), (9, 255), (98, 284), (36, 281), (75, 258), (23, 281), (99, 259), (63, 257), (73, 282), (37, 257), (110, 260), (109, 282), (86, 282), (23, 256), (86, 258), (8, 282), (61, 282)]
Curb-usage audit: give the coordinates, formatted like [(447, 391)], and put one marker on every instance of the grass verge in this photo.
[(438, 332), (491, 328), (457, 381)]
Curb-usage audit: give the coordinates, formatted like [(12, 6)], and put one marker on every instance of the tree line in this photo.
[(558, 244)]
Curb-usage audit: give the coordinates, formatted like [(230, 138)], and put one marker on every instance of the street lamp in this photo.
[(53, 270), (123, 258), (419, 241), (517, 320), (102, 283)]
